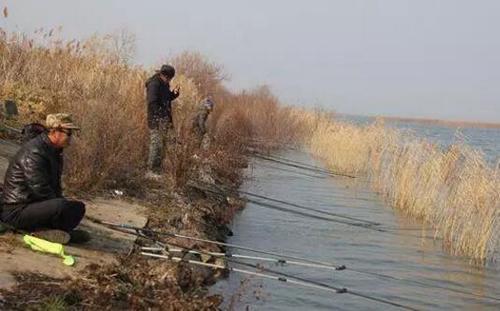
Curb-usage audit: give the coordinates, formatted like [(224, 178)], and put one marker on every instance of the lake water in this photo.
[(423, 275), (486, 140)]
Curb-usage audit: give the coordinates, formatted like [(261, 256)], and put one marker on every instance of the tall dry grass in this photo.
[(454, 189), (104, 94), (94, 81)]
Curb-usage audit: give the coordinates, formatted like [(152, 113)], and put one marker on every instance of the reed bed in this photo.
[(94, 81), (453, 189)]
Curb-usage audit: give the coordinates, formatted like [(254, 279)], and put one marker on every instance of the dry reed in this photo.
[(454, 189), (93, 80)]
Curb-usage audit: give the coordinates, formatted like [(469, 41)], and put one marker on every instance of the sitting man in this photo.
[(200, 120), (32, 194)]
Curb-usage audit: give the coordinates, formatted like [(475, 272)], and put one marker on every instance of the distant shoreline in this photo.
[(449, 123)]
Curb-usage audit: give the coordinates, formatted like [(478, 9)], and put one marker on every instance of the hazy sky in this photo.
[(418, 58)]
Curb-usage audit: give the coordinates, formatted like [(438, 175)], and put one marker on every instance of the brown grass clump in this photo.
[(104, 94), (206, 76), (131, 284), (452, 189)]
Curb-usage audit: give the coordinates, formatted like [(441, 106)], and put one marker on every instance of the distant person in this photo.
[(200, 120), (159, 106), (32, 194)]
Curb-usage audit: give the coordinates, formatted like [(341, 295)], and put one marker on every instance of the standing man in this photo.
[(32, 196), (200, 121), (161, 128)]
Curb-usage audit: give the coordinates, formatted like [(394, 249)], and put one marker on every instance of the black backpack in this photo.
[(31, 131)]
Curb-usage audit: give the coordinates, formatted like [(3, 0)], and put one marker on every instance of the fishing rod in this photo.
[(368, 222), (141, 232), (138, 232), (335, 195), (275, 157), (262, 275), (319, 176), (267, 143), (278, 261), (422, 284), (364, 225), (282, 277), (344, 290), (12, 129), (291, 211), (287, 210), (302, 167), (387, 230), (373, 223), (379, 227), (281, 261)]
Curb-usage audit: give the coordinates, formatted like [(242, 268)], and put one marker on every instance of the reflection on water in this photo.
[(400, 253)]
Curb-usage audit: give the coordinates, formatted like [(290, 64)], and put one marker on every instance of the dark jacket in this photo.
[(159, 98), (34, 174)]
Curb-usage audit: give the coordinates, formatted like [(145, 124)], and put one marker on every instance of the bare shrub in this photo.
[(206, 75), (93, 80)]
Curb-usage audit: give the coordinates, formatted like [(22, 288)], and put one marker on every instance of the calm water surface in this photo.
[(401, 253), (487, 140)]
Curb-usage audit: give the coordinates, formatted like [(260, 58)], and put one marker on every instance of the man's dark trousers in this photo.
[(58, 213)]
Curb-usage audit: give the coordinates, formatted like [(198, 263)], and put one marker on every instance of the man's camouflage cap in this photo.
[(60, 121)]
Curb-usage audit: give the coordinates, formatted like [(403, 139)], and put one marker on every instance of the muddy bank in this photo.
[(136, 282)]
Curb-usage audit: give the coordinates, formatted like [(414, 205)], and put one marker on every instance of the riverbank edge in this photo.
[(136, 282)]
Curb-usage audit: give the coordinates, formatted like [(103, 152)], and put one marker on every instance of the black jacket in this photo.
[(159, 98), (34, 174)]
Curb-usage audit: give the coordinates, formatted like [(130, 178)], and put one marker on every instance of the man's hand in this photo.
[(176, 90)]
